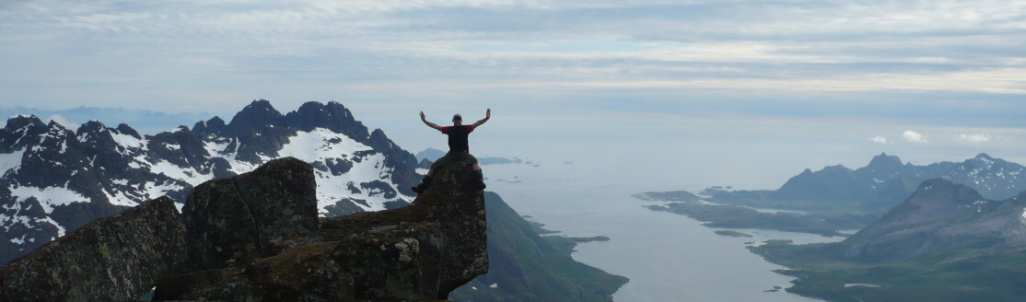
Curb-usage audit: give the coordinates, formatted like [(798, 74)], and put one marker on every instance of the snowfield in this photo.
[(10, 161)]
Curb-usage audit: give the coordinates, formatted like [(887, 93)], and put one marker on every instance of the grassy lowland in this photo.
[(960, 276)]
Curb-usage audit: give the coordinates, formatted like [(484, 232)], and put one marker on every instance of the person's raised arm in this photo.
[(488, 115), (423, 118)]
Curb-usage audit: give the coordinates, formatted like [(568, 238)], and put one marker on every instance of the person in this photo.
[(459, 141)]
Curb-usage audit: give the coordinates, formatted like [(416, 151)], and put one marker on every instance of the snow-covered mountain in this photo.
[(54, 179), (889, 180)]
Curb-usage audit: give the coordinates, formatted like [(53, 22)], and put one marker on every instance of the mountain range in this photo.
[(945, 242), (55, 179), (882, 184)]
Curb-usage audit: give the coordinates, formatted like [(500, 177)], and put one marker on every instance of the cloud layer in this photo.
[(200, 52)]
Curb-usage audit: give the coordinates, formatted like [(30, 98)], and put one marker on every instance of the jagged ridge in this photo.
[(54, 179), (886, 181)]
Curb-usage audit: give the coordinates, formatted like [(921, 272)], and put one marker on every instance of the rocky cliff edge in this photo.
[(257, 237)]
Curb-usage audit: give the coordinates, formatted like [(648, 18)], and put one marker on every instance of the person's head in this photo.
[(457, 120)]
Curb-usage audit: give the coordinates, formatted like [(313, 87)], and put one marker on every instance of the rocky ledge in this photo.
[(257, 237)]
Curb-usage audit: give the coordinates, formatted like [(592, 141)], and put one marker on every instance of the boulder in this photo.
[(254, 215), (119, 258)]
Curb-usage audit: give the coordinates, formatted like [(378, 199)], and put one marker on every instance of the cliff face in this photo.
[(256, 237)]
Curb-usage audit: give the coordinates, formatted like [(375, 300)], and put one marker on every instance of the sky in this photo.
[(702, 92)]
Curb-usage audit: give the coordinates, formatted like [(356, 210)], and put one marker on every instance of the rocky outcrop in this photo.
[(420, 252), (255, 215), (117, 258)]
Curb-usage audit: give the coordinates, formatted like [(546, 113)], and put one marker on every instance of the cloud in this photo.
[(878, 140), (914, 137), (974, 138)]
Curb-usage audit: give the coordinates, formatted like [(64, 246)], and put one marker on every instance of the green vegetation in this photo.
[(525, 266), (823, 273)]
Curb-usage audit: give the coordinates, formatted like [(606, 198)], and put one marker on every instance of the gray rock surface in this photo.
[(254, 215), (117, 258)]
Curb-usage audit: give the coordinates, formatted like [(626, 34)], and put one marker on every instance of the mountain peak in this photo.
[(884, 165), (126, 129), (23, 120), (983, 156), (256, 115), (934, 189), (260, 105), (883, 159), (213, 125), (333, 116), (91, 127)]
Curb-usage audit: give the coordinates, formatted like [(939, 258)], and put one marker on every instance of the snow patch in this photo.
[(120, 199), (216, 147), (318, 144), (10, 161), (153, 191), (188, 175), (48, 197), (60, 229), (127, 141), (219, 149)]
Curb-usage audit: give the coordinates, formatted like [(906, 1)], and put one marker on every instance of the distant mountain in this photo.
[(54, 179), (885, 182), (941, 217), (144, 121), (431, 154), (946, 242)]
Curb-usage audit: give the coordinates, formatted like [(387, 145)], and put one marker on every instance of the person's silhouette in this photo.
[(459, 145)]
